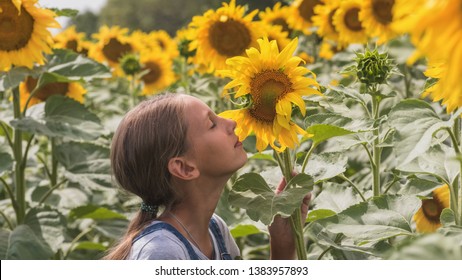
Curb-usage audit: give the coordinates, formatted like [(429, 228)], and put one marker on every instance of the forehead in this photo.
[(196, 111)]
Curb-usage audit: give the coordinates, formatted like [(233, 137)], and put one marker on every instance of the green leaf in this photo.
[(415, 123), (113, 229), (323, 132), (94, 212), (252, 193), (447, 217), (75, 66), (6, 160), (47, 224), (429, 247), (326, 165), (14, 77), (336, 198), (318, 214), (86, 164), (65, 12), (349, 124), (379, 219), (419, 186), (64, 117), (47, 78), (242, 230), (87, 245), (23, 244)]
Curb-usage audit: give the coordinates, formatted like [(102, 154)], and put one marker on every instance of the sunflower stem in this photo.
[(295, 218), (376, 150), (19, 167), (307, 157), (456, 189), (54, 163), (184, 75)]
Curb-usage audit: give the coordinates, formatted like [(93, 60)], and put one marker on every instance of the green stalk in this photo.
[(184, 75), (295, 218), (133, 91), (376, 150), (454, 187), (54, 163), (307, 157), (19, 167)]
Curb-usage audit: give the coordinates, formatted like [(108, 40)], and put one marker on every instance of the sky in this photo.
[(80, 5)]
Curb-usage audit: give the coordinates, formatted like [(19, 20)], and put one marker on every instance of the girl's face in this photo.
[(212, 143)]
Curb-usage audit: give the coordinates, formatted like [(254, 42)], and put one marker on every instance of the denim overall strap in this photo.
[(165, 226), (224, 255)]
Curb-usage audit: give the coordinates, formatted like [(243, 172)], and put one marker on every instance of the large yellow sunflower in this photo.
[(427, 218), (376, 16), (278, 15), (24, 34), (302, 13), (72, 40), (160, 74), (272, 82), (72, 90), (112, 44), (324, 19), (221, 34), (436, 31), (347, 23), (165, 42)]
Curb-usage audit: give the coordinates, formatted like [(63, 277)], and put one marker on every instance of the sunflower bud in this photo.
[(130, 64), (373, 68)]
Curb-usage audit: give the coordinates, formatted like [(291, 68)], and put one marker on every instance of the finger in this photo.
[(281, 186)]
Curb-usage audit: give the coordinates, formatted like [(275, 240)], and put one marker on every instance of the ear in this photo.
[(182, 168)]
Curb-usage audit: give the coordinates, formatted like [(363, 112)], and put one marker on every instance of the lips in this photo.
[(238, 144)]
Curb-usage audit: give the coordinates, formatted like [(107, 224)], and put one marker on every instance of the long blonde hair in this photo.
[(146, 139)]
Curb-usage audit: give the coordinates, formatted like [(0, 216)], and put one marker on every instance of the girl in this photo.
[(176, 154)]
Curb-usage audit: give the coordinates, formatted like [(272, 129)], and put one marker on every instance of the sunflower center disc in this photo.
[(306, 9), (114, 50), (229, 38), (282, 22), (47, 90), (154, 73), (267, 88), (352, 20), (71, 45), (15, 29), (383, 10), (432, 209)]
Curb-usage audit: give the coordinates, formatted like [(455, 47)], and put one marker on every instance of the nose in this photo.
[(230, 125)]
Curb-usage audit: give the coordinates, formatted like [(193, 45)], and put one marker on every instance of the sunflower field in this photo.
[(357, 101)]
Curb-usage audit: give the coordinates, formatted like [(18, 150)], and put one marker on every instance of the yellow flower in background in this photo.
[(427, 218), (275, 32), (302, 13), (112, 44), (347, 23), (24, 34), (160, 73), (278, 15), (436, 31), (328, 49), (272, 82), (376, 16), (323, 19), (165, 42), (439, 91), (72, 90), (221, 34), (72, 40)]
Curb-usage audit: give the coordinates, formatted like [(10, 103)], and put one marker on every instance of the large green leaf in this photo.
[(419, 186), (242, 230), (64, 117), (94, 212), (75, 66), (379, 219), (336, 198), (14, 77), (47, 224), (23, 244), (252, 193), (339, 121), (429, 247), (415, 123), (86, 164), (326, 165)]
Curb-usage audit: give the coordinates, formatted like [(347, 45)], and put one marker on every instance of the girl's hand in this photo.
[(281, 236)]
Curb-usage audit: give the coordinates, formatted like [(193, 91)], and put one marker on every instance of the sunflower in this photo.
[(302, 13), (376, 16), (439, 90), (347, 23), (436, 31), (24, 34), (72, 90), (159, 72), (221, 34), (275, 32), (271, 81), (165, 42), (278, 15), (72, 40), (427, 218), (324, 19), (112, 44)]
